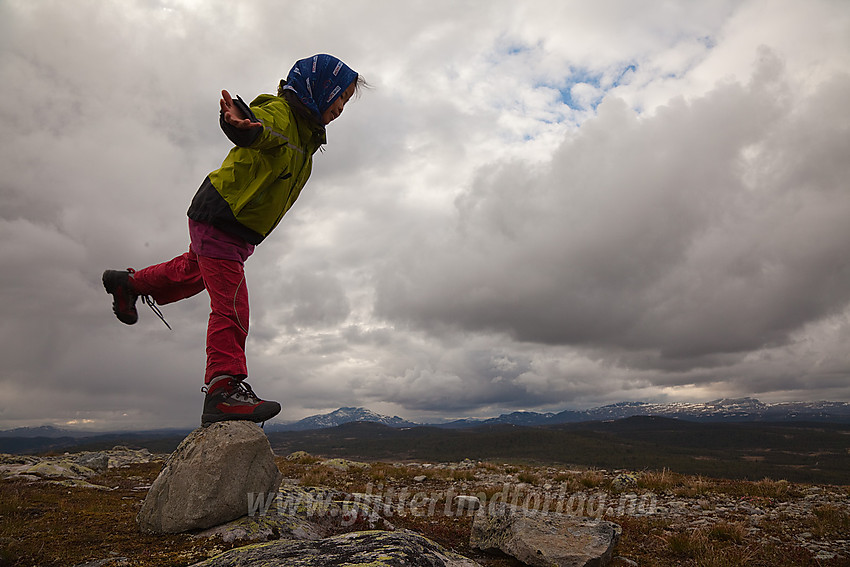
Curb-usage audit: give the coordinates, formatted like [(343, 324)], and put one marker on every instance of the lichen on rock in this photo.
[(363, 549)]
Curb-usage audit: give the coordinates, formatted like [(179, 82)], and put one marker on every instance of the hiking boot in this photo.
[(229, 399), (117, 284)]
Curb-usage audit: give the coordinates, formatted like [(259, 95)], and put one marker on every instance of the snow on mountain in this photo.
[(724, 409), (341, 416), (742, 409)]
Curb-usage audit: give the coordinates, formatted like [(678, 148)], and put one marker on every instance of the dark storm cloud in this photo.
[(714, 226)]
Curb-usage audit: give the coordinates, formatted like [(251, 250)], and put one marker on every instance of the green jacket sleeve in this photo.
[(278, 127)]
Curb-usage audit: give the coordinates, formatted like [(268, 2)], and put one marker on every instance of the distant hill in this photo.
[(55, 440), (721, 410), (340, 417), (46, 431)]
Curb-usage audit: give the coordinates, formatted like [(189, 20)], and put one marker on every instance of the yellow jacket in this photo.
[(259, 182)]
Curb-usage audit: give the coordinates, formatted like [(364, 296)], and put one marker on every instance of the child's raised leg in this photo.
[(170, 281)]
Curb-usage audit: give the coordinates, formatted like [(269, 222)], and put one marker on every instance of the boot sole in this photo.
[(210, 418)]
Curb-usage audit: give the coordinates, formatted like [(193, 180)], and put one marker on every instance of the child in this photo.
[(235, 208)]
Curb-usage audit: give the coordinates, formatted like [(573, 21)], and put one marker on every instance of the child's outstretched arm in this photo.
[(240, 126), (233, 115)]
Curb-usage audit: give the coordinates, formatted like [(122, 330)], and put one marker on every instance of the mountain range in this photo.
[(720, 410)]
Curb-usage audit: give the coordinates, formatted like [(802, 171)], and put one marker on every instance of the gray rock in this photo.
[(303, 513), (120, 456), (264, 528), (60, 469), (624, 481), (466, 503), (331, 511), (544, 539), (70, 469), (98, 462), (372, 548), (211, 479)]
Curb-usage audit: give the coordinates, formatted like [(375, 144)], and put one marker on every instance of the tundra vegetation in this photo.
[(693, 520)]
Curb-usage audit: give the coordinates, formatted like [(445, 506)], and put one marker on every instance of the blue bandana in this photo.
[(319, 80)]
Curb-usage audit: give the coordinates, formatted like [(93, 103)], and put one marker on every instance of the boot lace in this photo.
[(148, 300), (242, 392)]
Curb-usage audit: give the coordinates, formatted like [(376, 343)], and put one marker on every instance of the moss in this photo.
[(344, 464)]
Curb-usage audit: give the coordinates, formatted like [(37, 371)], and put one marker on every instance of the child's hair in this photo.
[(301, 110), (360, 84)]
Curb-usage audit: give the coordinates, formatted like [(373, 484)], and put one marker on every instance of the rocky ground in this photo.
[(48, 503)]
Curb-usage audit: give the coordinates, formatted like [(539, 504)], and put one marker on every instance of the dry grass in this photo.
[(653, 543), (765, 489), (529, 477), (829, 522), (51, 525), (592, 479)]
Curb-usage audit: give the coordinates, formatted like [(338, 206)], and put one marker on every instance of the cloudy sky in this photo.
[(539, 205)]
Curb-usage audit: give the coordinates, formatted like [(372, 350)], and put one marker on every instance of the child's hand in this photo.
[(232, 114)]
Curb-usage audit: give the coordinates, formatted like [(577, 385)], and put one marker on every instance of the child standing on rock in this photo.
[(236, 208)]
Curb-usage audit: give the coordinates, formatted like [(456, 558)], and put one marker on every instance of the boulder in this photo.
[(299, 455), (372, 548), (98, 462), (120, 456), (210, 479), (544, 539), (60, 469), (624, 481)]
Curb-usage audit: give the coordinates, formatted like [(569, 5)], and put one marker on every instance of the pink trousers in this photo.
[(224, 280)]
